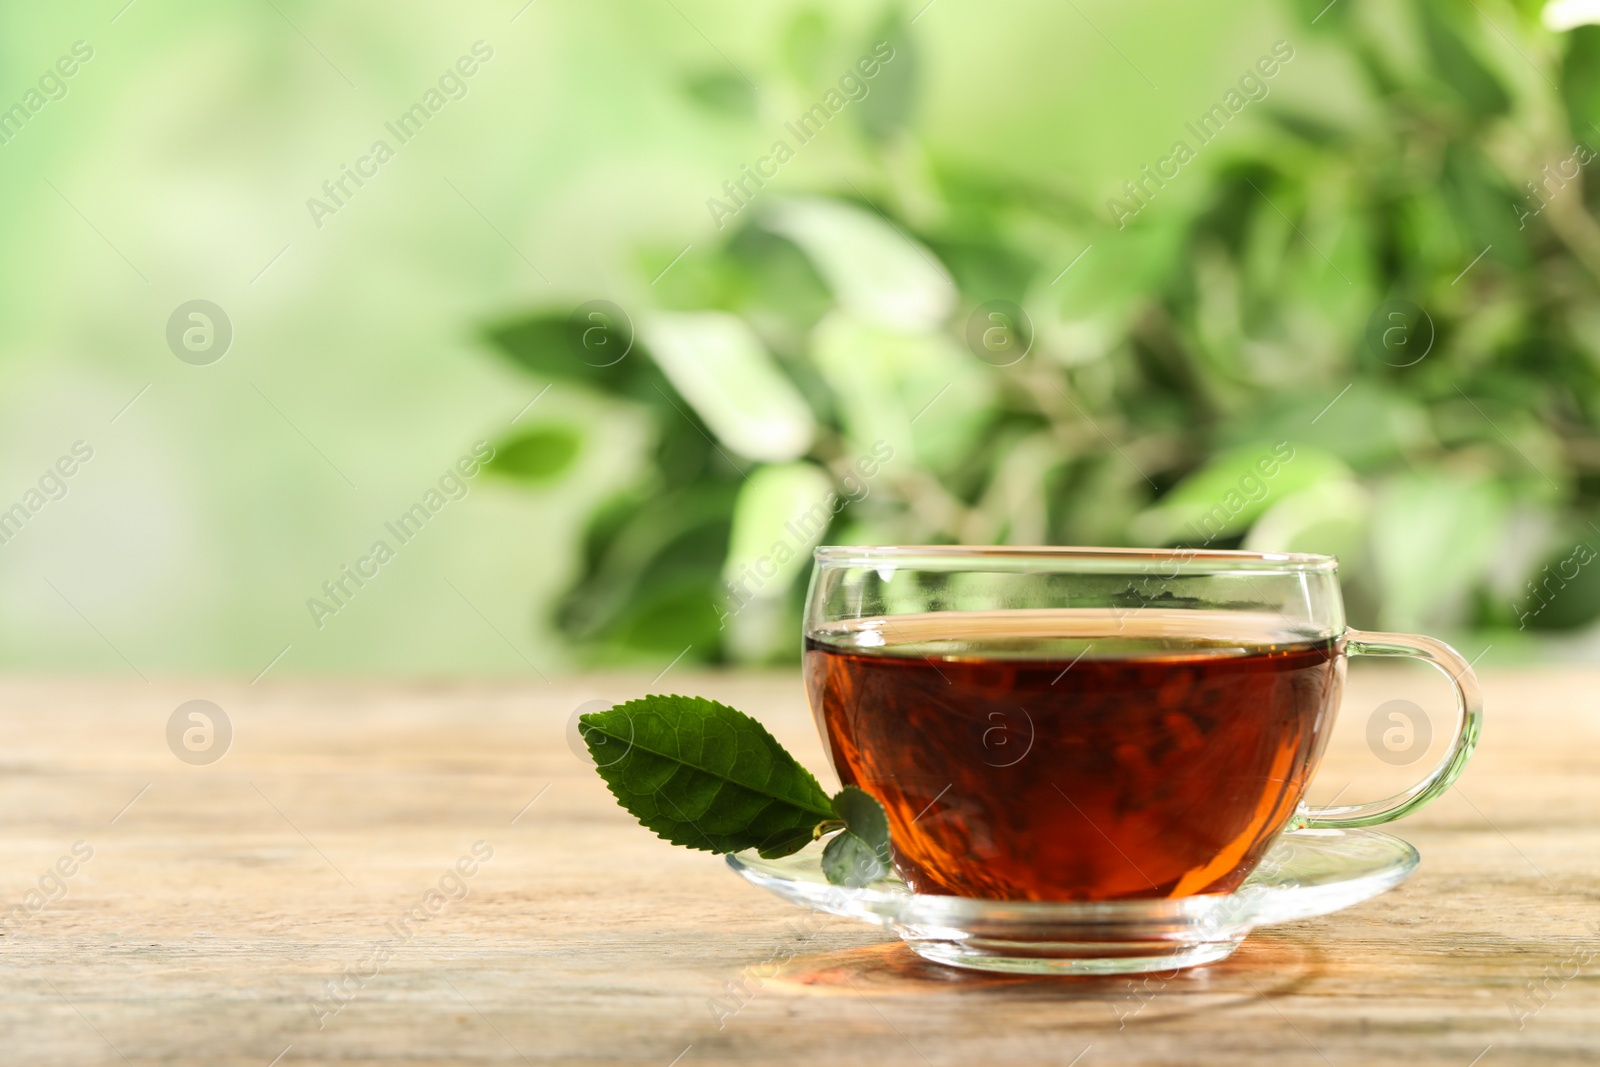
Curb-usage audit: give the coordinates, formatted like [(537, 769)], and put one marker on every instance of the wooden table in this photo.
[(255, 910)]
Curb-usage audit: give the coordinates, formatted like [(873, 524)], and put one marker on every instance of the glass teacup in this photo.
[(1074, 724)]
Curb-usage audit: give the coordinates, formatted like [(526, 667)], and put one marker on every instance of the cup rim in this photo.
[(1222, 559)]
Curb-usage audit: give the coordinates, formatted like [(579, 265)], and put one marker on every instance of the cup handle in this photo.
[(1469, 705)]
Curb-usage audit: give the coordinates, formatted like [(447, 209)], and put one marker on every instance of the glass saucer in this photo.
[(1306, 873)]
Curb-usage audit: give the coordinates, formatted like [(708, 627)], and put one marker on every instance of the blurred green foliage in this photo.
[(1402, 291)]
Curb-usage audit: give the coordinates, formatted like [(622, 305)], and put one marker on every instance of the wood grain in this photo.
[(221, 902)]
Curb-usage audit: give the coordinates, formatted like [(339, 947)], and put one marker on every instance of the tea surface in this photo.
[(1076, 754)]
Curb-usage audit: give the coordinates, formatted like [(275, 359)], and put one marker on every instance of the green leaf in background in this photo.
[(1080, 314), (674, 613), (888, 107), (541, 453), (1224, 497), (782, 513), (1580, 82), (703, 775), (1315, 130), (1320, 15), (780, 516), (850, 354), (984, 269), (1433, 535), (1484, 212), (1369, 427), (539, 343), (1324, 294), (1564, 593), (859, 855), (848, 860), (723, 93), (551, 343), (1512, 441), (1456, 66), (776, 287), (1093, 499), (805, 44), (1331, 519), (874, 271), (652, 564), (884, 379), (718, 365)]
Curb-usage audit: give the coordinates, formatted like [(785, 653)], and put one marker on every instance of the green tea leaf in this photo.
[(859, 854), (850, 861), (863, 816), (702, 775)]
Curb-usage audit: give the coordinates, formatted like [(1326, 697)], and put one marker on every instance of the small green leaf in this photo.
[(541, 454), (543, 343), (859, 855), (722, 93), (863, 816), (702, 775), (850, 861), (592, 346)]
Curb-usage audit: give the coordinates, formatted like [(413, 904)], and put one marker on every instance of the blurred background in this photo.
[(527, 336)]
